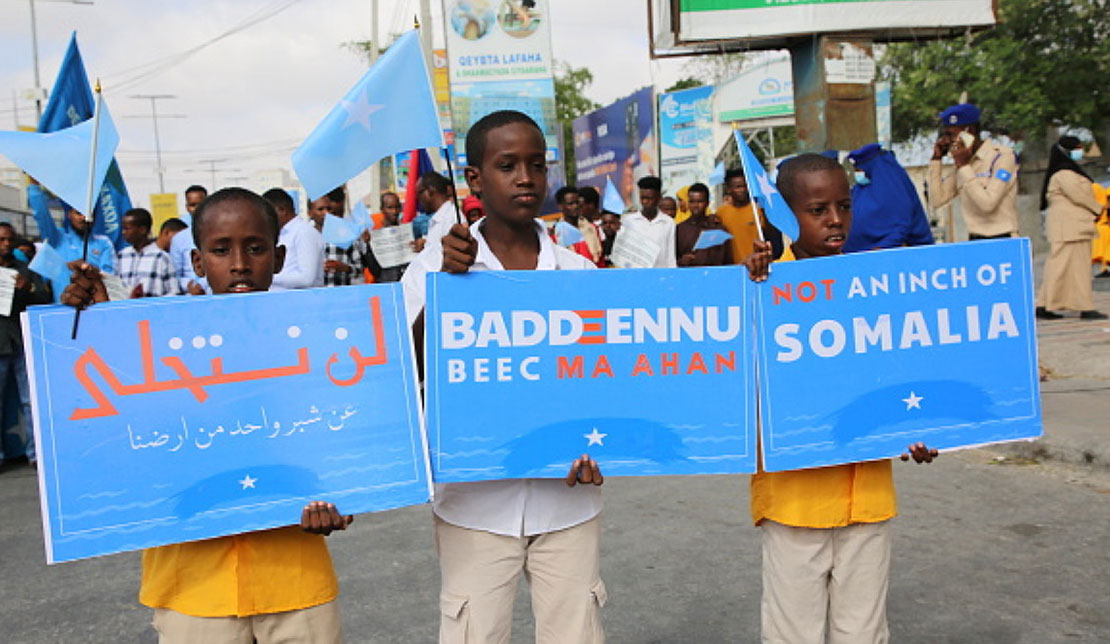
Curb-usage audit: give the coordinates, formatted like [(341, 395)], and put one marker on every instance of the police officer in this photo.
[(985, 178)]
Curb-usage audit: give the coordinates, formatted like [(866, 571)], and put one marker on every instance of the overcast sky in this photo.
[(251, 97)]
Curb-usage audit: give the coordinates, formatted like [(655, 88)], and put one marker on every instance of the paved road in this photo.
[(984, 552)]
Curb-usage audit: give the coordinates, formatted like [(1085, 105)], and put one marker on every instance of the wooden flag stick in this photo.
[(90, 201)]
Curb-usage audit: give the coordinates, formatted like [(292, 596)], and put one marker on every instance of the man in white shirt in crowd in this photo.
[(304, 246), (143, 266), (648, 221), (434, 192), (181, 246)]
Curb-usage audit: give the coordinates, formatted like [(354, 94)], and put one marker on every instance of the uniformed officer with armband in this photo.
[(985, 178)]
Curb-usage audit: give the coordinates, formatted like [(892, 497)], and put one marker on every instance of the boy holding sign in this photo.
[(826, 532), (274, 585), (489, 532)]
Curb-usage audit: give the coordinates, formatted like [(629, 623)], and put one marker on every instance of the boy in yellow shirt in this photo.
[(267, 586), (826, 532)]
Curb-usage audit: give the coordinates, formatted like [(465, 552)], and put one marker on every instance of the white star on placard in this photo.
[(765, 185), (359, 111), (248, 482), (595, 438), (913, 402)]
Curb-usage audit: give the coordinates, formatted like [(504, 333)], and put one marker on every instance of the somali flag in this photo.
[(60, 160), (612, 200), (389, 110), (764, 192), (71, 102)]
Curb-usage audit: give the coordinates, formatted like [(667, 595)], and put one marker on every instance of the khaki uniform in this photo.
[(1070, 227), (987, 187)]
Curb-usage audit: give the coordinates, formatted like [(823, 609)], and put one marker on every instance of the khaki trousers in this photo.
[(316, 625), (1066, 284), (480, 572), (825, 583)]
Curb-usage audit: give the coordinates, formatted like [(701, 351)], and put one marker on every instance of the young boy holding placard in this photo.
[(826, 532), (489, 532), (274, 585)]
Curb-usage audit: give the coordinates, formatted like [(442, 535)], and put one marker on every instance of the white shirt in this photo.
[(181, 252), (515, 507), (661, 229), (304, 256), (441, 222)]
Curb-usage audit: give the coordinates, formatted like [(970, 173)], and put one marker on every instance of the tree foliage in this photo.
[(570, 103), (684, 83), (1046, 63)]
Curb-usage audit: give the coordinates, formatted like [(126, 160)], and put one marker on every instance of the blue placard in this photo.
[(862, 354), (648, 371), (177, 419)]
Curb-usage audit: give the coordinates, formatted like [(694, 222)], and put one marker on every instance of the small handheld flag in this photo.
[(567, 235), (710, 238), (612, 200), (361, 216), (340, 232), (72, 162), (391, 109), (764, 192)]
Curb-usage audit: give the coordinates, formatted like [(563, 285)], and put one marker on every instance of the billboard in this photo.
[(763, 91), (617, 142), (686, 136), (499, 58), (495, 40), (701, 25)]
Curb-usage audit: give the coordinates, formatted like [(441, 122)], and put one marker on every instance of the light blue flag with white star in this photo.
[(60, 160), (761, 188), (361, 216), (391, 109), (612, 200)]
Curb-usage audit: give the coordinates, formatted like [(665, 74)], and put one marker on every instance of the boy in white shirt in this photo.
[(489, 532)]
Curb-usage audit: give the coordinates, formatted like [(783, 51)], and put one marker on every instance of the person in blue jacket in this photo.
[(69, 240), (886, 211)]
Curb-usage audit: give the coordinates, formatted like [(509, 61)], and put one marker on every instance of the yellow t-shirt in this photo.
[(269, 571), (740, 223), (824, 497)]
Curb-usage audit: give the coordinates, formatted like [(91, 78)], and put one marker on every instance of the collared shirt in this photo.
[(255, 573), (739, 221), (355, 257), (661, 229), (988, 189), (151, 267), (304, 256), (824, 497), (69, 243), (442, 220), (518, 507), (181, 252), (686, 237)]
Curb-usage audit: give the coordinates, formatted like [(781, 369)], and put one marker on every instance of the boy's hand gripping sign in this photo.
[(179, 419), (648, 372)]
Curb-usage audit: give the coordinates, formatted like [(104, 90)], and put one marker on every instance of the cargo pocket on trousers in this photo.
[(598, 598), (454, 619)]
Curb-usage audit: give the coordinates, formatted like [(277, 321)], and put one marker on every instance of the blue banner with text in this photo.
[(648, 371), (177, 419), (864, 354)]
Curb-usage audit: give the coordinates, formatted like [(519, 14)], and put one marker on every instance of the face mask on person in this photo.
[(862, 178), (1076, 155)]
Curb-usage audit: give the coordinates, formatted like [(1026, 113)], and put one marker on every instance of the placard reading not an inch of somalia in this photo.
[(178, 419), (647, 371), (863, 354)]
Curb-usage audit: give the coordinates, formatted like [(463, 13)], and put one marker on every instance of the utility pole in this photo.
[(375, 45), (154, 98), (212, 169)]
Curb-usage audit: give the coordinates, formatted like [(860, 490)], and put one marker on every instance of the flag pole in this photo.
[(90, 200), (756, 214), (446, 153)]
